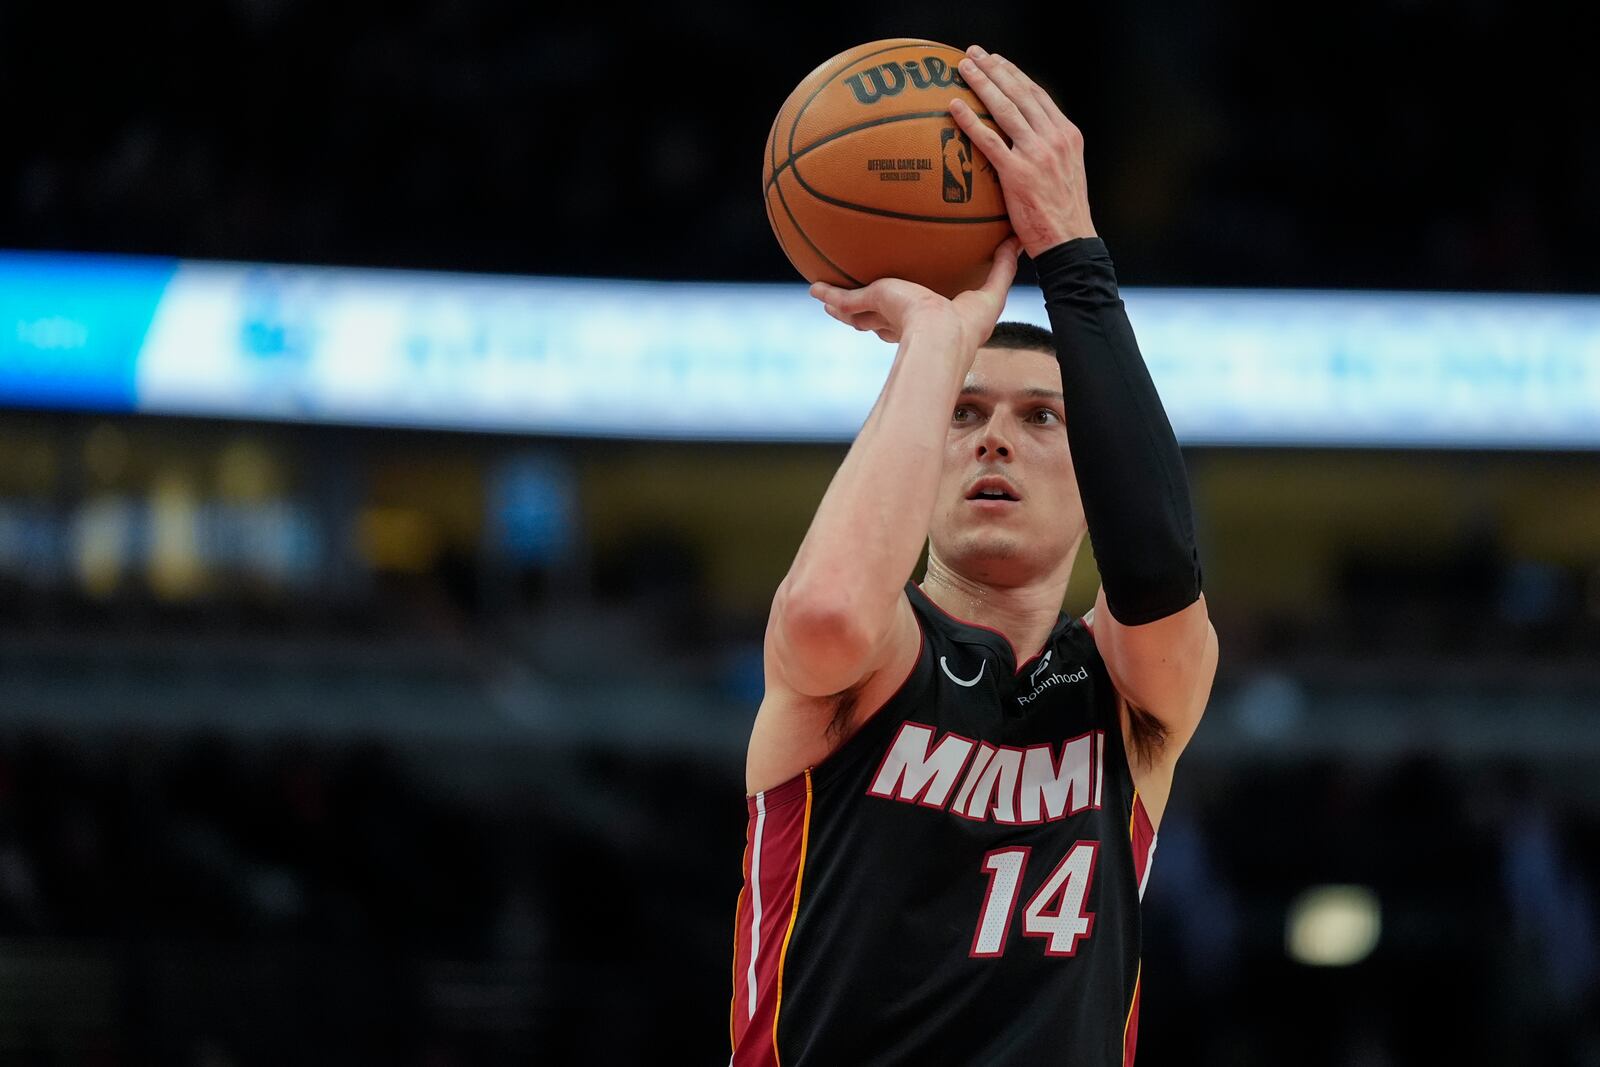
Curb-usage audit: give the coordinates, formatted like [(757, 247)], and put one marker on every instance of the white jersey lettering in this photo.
[(918, 772)]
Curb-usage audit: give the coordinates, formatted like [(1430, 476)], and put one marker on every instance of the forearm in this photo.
[(1130, 473), (870, 527)]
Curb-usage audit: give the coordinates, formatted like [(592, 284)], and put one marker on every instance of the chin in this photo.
[(991, 555), (1004, 557)]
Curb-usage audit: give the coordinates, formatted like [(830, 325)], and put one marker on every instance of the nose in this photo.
[(994, 444)]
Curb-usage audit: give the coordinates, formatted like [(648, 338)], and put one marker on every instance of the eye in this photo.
[(963, 413), (1045, 416)]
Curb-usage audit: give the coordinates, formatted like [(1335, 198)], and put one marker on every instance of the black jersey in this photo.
[(959, 882)]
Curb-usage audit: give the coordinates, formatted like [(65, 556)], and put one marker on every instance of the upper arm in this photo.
[(818, 647), (1163, 670)]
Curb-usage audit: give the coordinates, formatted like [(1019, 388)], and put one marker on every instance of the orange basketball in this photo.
[(867, 176)]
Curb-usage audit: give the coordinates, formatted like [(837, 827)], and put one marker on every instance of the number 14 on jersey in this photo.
[(1055, 912)]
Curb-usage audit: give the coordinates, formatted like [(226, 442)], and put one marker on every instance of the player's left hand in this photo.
[(1041, 170)]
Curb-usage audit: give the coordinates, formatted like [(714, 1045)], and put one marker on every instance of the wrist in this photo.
[(1037, 243), (1077, 272), (939, 342), (934, 322)]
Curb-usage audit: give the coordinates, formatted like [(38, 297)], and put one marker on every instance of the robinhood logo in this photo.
[(1034, 677), (1079, 675), (889, 79)]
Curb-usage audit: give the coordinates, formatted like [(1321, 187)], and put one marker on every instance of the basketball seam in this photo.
[(849, 130), (766, 194), (799, 229), (798, 115), (772, 220)]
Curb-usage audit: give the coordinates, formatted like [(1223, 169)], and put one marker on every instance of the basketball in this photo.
[(866, 174)]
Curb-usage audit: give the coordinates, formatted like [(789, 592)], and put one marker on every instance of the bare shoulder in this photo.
[(794, 731)]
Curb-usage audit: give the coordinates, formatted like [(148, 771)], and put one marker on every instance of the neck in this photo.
[(1024, 613)]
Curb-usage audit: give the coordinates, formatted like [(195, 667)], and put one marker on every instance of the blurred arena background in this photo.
[(354, 711)]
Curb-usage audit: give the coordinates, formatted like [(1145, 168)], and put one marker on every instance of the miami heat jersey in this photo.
[(959, 882)]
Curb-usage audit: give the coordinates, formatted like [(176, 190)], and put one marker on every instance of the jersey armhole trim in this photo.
[(796, 788)]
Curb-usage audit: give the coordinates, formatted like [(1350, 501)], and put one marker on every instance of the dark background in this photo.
[(408, 799), (1402, 144)]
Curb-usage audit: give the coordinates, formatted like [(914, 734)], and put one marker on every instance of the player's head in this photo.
[(1007, 435)]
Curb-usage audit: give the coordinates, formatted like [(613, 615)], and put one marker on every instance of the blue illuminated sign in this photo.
[(757, 362)]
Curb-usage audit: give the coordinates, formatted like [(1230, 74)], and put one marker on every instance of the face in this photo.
[(1008, 510)]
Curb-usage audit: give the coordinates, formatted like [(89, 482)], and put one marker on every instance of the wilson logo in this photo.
[(890, 79)]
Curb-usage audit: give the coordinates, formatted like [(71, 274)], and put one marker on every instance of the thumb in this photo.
[(1003, 270)]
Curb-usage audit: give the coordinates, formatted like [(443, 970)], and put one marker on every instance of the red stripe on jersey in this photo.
[(741, 946), (775, 858), (1130, 1029), (1143, 836)]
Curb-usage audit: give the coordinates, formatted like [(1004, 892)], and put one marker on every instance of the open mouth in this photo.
[(993, 488)]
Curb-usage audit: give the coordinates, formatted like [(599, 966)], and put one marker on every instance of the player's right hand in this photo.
[(892, 307), (1040, 159)]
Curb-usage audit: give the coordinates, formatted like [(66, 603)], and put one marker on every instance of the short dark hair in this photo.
[(1023, 335)]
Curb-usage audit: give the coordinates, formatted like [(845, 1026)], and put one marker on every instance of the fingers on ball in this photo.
[(1000, 105), (1016, 85)]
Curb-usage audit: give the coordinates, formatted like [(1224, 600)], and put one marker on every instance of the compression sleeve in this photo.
[(1130, 473)]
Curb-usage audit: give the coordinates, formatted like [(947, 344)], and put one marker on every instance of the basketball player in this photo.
[(955, 788)]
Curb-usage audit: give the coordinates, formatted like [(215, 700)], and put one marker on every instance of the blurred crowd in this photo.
[(1401, 144), (212, 901), (209, 901)]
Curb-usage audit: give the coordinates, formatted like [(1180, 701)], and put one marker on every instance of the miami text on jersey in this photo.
[(1017, 786)]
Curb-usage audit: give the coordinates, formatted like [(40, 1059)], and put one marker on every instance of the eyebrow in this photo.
[(1033, 392)]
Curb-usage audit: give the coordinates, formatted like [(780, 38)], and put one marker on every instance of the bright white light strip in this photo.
[(545, 355), (642, 359), (1374, 368)]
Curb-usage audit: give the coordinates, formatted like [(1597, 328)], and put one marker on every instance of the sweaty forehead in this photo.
[(1016, 372)]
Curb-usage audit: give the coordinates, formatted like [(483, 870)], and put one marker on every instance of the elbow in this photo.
[(824, 642)]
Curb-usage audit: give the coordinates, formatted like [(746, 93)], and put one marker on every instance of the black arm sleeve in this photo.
[(1130, 473)]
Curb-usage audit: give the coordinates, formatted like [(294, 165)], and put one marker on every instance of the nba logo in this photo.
[(957, 153)]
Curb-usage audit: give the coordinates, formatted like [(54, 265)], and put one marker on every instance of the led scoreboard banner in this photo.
[(579, 357)]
